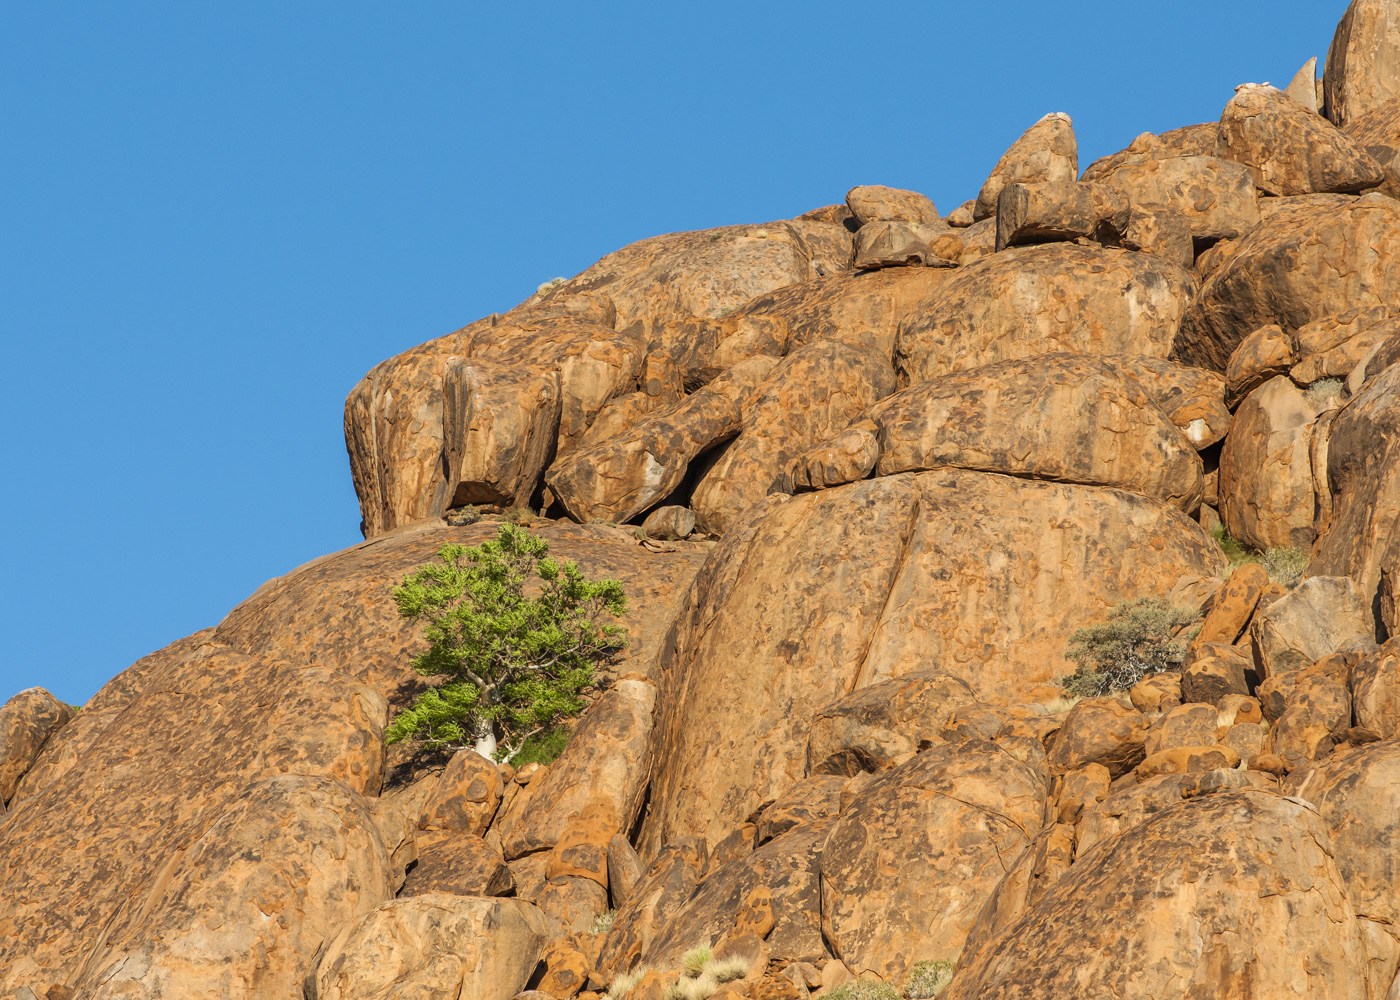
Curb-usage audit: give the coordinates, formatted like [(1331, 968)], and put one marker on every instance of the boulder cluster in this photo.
[(862, 474)]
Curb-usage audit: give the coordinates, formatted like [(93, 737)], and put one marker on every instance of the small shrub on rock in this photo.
[(1285, 566), (863, 989), (603, 922), (1140, 637), (726, 970), (695, 960), (928, 979), (514, 662), (1321, 391), (623, 984)]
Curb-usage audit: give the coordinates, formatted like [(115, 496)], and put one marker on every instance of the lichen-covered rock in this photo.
[(814, 596), (434, 945), (463, 865), (668, 882), (26, 722), (1304, 262), (875, 202), (1310, 621), (465, 797), (1216, 196), (910, 862), (1047, 151), (1044, 300), (1099, 731), (1290, 150), (1232, 894), (1375, 689)]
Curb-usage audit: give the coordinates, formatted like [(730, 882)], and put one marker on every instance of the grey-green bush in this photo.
[(927, 980), (1140, 637), (863, 989)]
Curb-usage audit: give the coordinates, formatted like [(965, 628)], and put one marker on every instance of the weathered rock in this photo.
[(664, 888), (1044, 300), (466, 797), (669, 523), (582, 850), (1099, 731), (1363, 473), (814, 596), (1234, 605), (1189, 725), (1156, 692), (1316, 716), (1362, 69), (788, 867), (1214, 674), (845, 458), (1216, 196), (1303, 263), (1192, 398), (806, 803), (1245, 875), (1050, 212), (863, 309), (573, 903), (499, 424), (1247, 739), (1290, 150), (1266, 480), (875, 202), (1076, 790), (1312, 620), (26, 722), (869, 728), (1304, 88), (1373, 347), (1162, 231), (902, 244), (811, 395), (1047, 151), (1190, 140), (1378, 132), (1375, 689), (616, 480), (463, 865), (911, 861), (565, 969), (1043, 418), (604, 767), (624, 869), (303, 848), (436, 945), (1265, 354)]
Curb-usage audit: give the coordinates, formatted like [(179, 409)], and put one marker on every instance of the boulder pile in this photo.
[(865, 476)]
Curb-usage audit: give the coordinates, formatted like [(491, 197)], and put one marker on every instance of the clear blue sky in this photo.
[(214, 218)]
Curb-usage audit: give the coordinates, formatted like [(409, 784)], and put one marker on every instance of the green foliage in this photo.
[(603, 922), (543, 748), (863, 989), (1236, 552), (514, 664), (1140, 637), (549, 287), (928, 979), (1286, 566)]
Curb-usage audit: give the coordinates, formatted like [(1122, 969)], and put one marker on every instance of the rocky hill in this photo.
[(863, 475)]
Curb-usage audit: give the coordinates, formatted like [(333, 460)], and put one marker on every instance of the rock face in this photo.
[(810, 395), (436, 945), (1233, 895), (921, 571), (1042, 418), (913, 858), (868, 729), (1362, 69), (1047, 151), (1217, 196), (1303, 263), (1044, 300)]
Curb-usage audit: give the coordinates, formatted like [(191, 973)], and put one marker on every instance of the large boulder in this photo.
[(1363, 67), (431, 946), (1315, 618), (1222, 895), (26, 722), (808, 598), (1303, 263), (1189, 140), (1362, 540), (1266, 476), (1042, 300), (1291, 150), (877, 203), (1217, 196), (1047, 151), (1061, 417), (617, 479), (810, 395), (918, 851)]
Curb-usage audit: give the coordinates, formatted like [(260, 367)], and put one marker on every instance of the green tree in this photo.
[(514, 662), (1140, 637)]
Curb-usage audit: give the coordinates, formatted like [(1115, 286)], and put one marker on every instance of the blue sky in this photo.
[(215, 218)]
